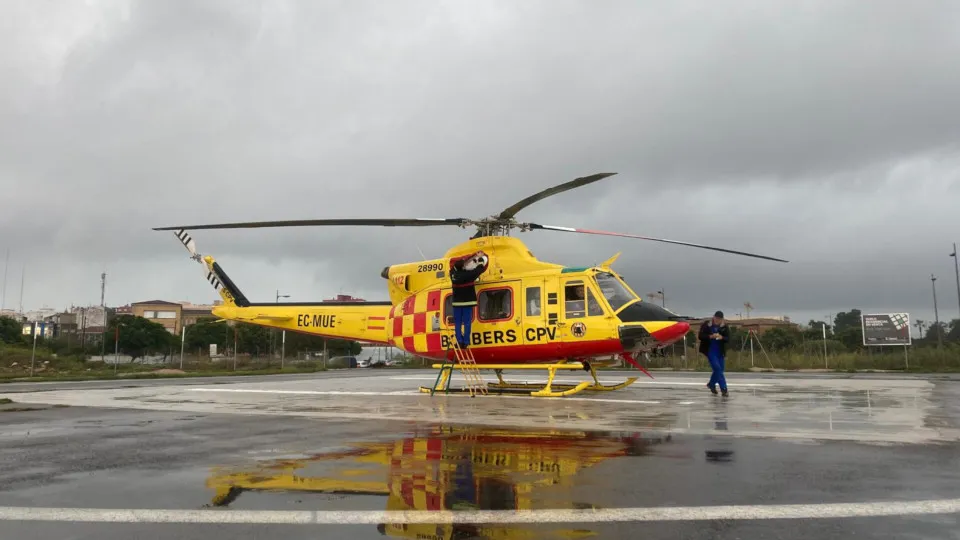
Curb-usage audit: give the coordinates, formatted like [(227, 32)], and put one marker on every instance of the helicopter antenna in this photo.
[(424, 257)]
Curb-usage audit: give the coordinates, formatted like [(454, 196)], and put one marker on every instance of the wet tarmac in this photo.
[(334, 457)]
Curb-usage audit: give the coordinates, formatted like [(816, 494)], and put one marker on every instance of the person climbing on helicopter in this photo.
[(464, 272)]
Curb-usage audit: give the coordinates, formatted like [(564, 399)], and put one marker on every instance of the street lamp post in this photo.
[(183, 339), (956, 269), (825, 366), (33, 355), (284, 333), (936, 313)]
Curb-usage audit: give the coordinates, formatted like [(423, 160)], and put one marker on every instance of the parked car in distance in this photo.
[(340, 362)]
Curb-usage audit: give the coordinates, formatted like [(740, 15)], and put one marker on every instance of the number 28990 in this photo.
[(431, 267)]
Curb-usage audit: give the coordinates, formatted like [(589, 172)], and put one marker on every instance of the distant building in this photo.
[(345, 298), (161, 312), (73, 327), (172, 315), (191, 313), (89, 316), (42, 329), (39, 314)]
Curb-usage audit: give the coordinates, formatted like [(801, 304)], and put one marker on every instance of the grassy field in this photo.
[(916, 360), (15, 364)]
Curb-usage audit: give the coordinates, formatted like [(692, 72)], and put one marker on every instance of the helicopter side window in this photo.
[(533, 301), (574, 296), (495, 304)]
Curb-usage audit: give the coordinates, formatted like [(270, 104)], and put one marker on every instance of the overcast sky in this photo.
[(822, 132)]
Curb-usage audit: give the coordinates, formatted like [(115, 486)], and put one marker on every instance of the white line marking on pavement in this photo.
[(691, 513), (306, 392), (559, 380), (402, 393)]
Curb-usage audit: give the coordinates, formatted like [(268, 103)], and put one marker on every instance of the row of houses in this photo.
[(88, 323)]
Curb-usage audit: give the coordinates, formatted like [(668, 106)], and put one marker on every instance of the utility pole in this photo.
[(825, 366), (33, 355), (23, 273), (663, 298), (956, 269), (3, 292), (83, 329), (277, 300), (103, 306), (116, 351), (183, 338), (936, 314)]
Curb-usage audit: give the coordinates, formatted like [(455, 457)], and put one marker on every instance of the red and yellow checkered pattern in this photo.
[(415, 475), (416, 323)]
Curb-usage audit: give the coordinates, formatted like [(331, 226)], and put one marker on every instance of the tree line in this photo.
[(137, 337), (843, 335)]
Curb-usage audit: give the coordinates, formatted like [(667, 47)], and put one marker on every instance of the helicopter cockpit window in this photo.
[(494, 305), (593, 306), (574, 297), (616, 294)]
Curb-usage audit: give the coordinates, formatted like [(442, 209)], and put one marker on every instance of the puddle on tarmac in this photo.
[(449, 468)]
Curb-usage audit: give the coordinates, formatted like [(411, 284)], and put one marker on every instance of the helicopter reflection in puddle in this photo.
[(450, 468)]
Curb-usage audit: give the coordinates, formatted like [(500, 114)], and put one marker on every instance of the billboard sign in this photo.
[(886, 329)]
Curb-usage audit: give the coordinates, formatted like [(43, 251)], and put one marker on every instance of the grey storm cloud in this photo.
[(822, 132)]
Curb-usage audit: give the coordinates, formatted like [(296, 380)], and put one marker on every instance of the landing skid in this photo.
[(550, 389)]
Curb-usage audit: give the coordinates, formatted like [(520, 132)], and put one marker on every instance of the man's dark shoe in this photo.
[(725, 394), (712, 389)]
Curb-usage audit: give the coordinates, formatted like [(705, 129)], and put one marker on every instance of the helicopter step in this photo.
[(549, 389), (467, 364)]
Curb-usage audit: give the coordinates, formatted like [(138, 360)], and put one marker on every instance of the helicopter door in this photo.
[(579, 310), (534, 328)]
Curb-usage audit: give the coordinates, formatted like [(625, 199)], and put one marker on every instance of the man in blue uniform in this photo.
[(463, 273), (713, 337)]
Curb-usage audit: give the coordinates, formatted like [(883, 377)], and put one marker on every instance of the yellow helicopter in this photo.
[(529, 313)]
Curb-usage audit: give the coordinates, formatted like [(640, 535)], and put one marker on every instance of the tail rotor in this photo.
[(208, 272), (188, 243)]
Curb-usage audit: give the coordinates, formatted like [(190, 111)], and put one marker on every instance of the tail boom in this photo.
[(355, 321), (366, 322)]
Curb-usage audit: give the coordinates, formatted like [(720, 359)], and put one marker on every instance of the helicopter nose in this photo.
[(671, 333), (639, 336)]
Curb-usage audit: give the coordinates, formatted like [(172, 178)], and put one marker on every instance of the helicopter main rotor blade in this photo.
[(625, 235), (412, 222), (512, 211)]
